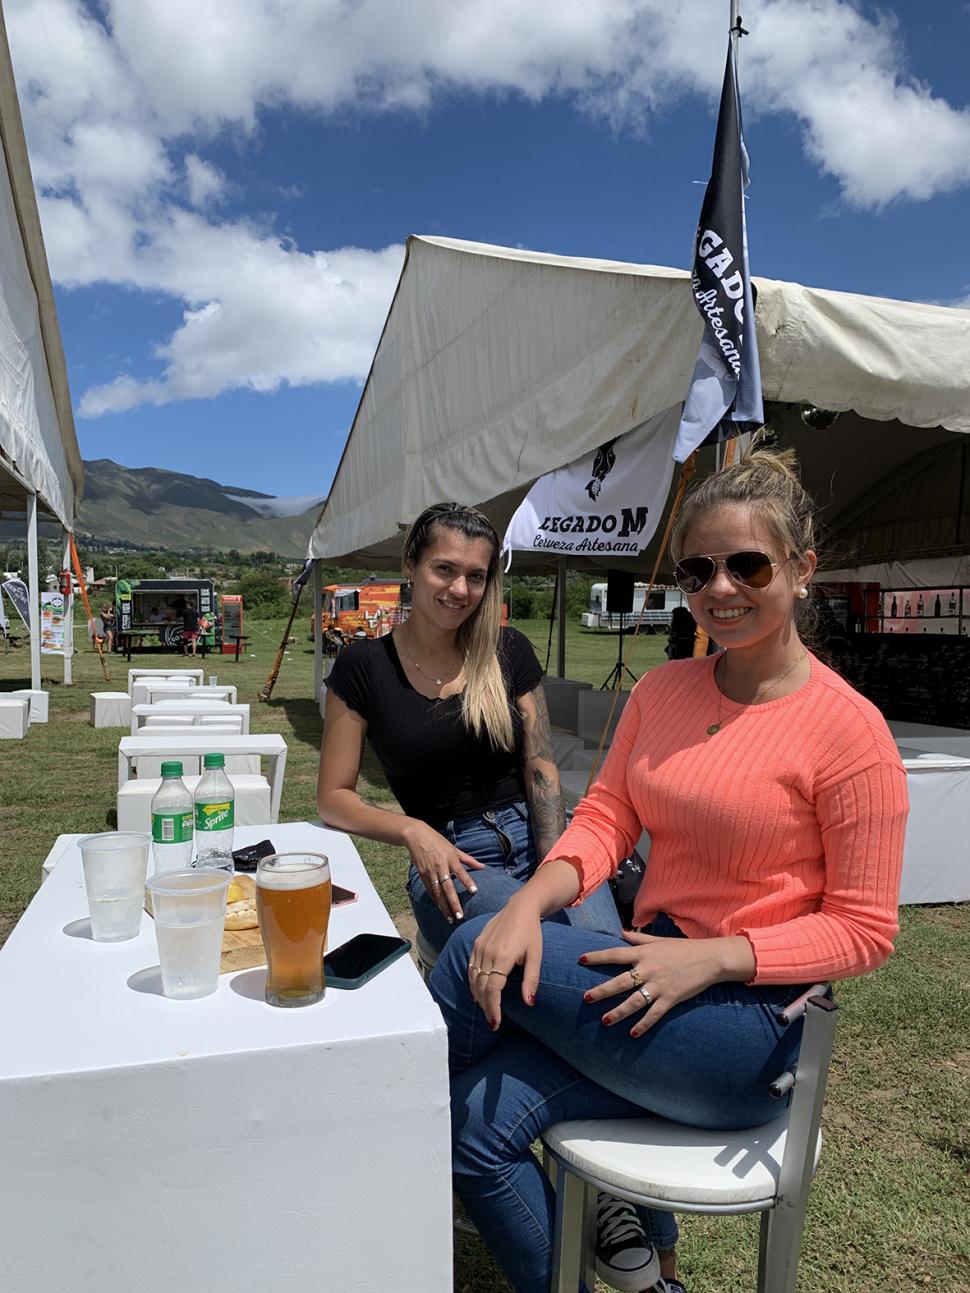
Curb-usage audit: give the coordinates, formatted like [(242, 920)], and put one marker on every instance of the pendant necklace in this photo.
[(438, 682), (775, 682)]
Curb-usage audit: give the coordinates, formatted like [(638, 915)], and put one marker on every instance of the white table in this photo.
[(198, 740), (197, 708), (219, 1144), (936, 854)]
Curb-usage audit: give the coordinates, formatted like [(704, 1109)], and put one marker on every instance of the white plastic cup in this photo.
[(115, 865), (190, 911), (213, 680)]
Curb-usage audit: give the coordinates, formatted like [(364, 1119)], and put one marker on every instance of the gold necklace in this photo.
[(438, 682), (716, 727)]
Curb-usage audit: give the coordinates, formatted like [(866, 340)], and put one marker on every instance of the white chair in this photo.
[(14, 718), (661, 1164), (144, 691), (561, 699), (110, 709), (196, 709), (168, 720), (150, 765), (174, 675), (37, 700)]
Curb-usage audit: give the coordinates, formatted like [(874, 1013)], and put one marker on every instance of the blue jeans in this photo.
[(502, 839), (706, 1063)]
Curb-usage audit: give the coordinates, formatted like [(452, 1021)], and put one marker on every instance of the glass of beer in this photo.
[(293, 898)]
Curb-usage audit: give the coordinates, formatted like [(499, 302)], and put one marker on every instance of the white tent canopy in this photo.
[(497, 365), (41, 474)]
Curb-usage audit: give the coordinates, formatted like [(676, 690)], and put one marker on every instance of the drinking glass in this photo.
[(293, 897), (115, 865), (190, 912)]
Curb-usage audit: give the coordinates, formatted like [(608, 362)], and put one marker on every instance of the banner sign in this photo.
[(725, 391), (606, 504), (52, 623), (16, 590)]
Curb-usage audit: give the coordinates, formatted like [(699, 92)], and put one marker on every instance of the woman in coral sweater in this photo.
[(776, 802)]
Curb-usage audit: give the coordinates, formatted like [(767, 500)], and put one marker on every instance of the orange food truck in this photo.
[(369, 609)]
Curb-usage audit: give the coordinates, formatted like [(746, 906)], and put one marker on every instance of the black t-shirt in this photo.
[(437, 769), (190, 620)]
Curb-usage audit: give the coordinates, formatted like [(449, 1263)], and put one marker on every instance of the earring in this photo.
[(803, 592)]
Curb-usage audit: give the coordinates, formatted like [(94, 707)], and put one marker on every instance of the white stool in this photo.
[(110, 709), (14, 718), (135, 801), (593, 708), (38, 703), (169, 720)]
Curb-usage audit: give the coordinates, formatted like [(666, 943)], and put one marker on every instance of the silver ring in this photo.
[(436, 883), (647, 999)]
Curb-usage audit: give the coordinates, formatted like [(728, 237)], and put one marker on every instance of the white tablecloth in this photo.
[(219, 1144)]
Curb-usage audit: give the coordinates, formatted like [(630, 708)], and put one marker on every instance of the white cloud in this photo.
[(206, 183), (120, 112)]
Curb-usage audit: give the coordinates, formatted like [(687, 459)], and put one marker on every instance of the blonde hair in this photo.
[(484, 700), (765, 481)]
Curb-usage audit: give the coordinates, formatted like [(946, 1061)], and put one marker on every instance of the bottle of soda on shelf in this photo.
[(215, 806), (171, 821)]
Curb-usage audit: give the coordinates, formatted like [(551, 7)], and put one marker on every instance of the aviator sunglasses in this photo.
[(752, 569)]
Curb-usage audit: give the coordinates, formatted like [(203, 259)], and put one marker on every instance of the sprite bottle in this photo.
[(214, 815), (171, 821)]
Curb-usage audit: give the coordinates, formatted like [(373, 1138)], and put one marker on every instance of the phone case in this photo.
[(342, 897), (335, 981)]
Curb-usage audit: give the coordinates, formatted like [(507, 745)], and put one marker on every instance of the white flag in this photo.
[(606, 504)]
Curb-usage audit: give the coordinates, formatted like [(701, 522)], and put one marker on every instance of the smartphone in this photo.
[(354, 962), (342, 896)]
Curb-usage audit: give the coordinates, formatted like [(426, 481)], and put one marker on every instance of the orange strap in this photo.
[(87, 606)]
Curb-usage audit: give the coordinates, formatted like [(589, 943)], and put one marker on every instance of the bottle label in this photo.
[(172, 828), (214, 817)]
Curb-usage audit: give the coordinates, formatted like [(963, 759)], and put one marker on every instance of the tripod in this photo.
[(614, 679)]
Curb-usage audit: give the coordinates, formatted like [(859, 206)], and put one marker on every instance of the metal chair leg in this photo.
[(571, 1256), (780, 1246)]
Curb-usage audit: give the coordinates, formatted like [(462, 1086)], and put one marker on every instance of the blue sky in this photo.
[(225, 188)]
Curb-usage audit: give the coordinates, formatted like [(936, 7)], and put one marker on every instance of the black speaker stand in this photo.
[(614, 679)]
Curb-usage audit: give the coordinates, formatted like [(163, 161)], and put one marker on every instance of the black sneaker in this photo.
[(625, 1257)]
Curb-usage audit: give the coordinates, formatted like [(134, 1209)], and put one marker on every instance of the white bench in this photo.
[(148, 691), (196, 709), (593, 711), (110, 709), (14, 717), (254, 794), (150, 765), (37, 700), (176, 674)]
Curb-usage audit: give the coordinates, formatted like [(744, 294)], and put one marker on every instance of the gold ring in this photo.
[(436, 883), (636, 976), (647, 999), (473, 966)]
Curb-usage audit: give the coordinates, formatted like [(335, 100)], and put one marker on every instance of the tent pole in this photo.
[(318, 636), (68, 615), (561, 612), (33, 589)]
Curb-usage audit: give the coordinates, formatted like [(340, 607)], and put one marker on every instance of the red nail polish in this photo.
[(633, 1032), (583, 960), (494, 1024), (532, 998), (587, 997), (607, 1019)]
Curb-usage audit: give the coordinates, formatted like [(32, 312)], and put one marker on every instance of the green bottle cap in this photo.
[(172, 768), (214, 760)]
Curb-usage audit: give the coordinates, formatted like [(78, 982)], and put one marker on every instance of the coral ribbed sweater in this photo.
[(785, 826)]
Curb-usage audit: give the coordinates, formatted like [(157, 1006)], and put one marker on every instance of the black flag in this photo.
[(725, 393)]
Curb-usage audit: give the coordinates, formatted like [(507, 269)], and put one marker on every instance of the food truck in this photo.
[(368, 609), (150, 611)]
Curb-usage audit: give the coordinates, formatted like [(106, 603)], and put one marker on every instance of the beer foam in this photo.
[(291, 875)]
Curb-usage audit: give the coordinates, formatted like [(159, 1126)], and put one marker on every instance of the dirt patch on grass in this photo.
[(951, 915)]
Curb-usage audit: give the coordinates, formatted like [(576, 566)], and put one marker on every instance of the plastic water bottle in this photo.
[(171, 821), (215, 807)]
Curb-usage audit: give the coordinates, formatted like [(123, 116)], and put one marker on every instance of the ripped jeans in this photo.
[(502, 839)]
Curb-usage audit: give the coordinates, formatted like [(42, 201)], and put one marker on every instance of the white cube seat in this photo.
[(561, 698), (231, 722), (135, 800), (169, 720), (14, 718), (110, 709), (36, 699), (563, 744)]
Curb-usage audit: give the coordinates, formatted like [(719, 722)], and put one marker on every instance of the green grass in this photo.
[(889, 1208)]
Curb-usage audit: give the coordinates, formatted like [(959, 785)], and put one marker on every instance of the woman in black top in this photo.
[(454, 710)]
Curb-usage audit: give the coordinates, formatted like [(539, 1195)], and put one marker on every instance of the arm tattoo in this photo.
[(542, 788)]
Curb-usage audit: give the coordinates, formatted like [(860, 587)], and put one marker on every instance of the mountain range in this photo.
[(148, 507)]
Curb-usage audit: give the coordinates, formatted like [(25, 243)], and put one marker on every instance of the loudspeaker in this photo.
[(619, 592)]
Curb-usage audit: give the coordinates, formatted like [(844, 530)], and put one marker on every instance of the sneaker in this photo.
[(625, 1257), (667, 1286)]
